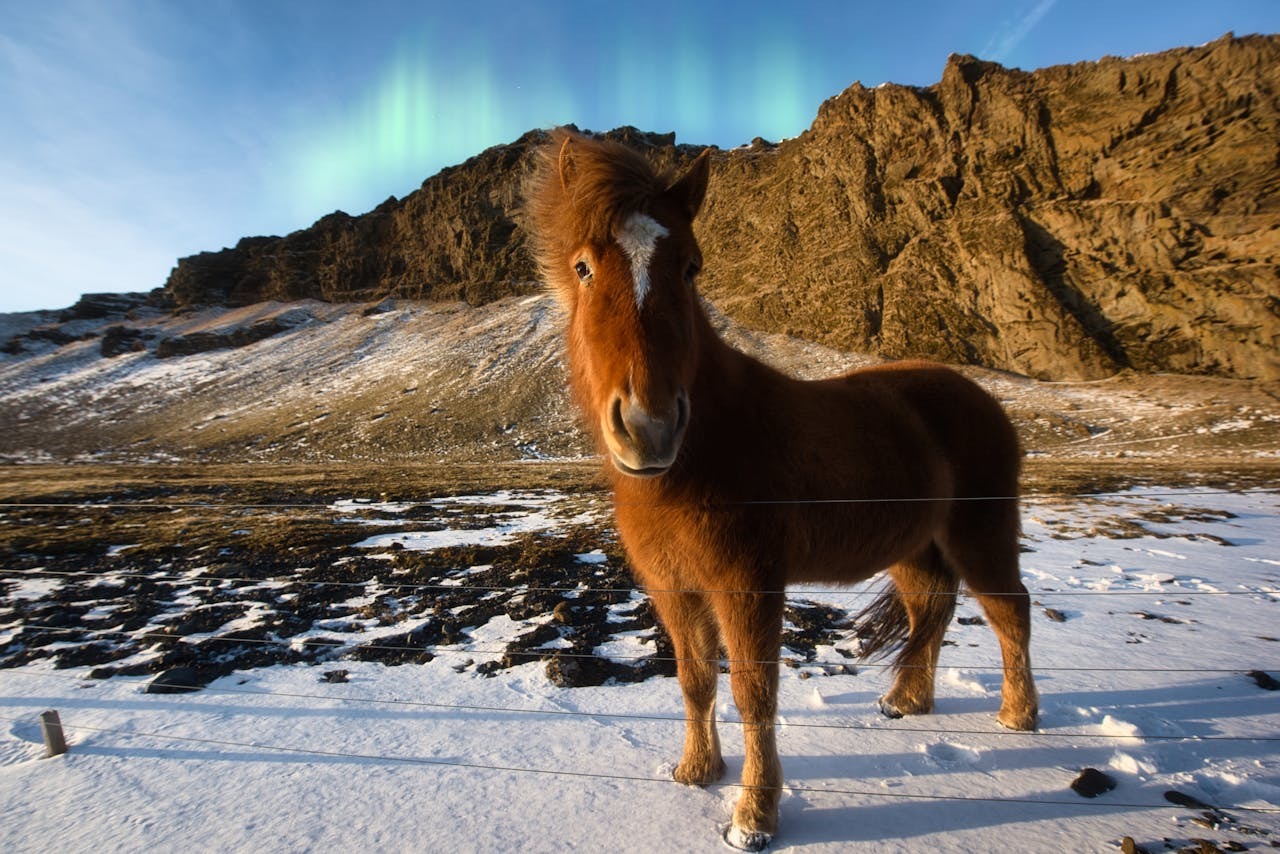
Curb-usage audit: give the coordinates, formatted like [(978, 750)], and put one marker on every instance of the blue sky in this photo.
[(137, 131)]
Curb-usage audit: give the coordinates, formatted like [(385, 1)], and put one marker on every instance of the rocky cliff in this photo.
[(1064, 223)]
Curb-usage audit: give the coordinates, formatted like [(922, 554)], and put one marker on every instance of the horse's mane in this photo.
[(582, 199)]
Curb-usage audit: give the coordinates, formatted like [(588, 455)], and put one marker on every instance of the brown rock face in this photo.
[(454, 238), (1064, 223)]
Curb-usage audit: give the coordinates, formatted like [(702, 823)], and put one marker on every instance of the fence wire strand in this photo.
[(628, 778), (550, 652), (194, 576), (632, 716), (603, 494)]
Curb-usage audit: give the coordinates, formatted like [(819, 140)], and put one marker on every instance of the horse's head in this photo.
[(615, 240)]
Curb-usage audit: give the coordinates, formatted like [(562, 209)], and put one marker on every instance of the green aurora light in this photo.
[(428, 109)]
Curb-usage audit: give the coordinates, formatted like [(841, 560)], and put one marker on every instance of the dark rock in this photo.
[(1173, 796), (537, 636), (382, 307), (179, 680), (205, 619), (412, 647), (1092, 783), (1200, 846), (1055, 615), (201, 342), (812, 624), (563, 671), (1147, 615), (1263, 679), (117, 340), (334, 676), (47, 334), (97, 306), (971, 621), (228, 569), (1128, 846), (570, 670), (96, 652)]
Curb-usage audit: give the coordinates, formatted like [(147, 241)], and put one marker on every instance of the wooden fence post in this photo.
[(55, 743)]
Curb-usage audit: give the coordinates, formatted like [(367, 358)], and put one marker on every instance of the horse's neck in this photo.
[(734, 400), (732, 386)]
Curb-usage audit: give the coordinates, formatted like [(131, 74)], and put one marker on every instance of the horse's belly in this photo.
[(853, 546), (763, 546)]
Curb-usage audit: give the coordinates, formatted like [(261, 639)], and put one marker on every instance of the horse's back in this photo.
[(967, 425)]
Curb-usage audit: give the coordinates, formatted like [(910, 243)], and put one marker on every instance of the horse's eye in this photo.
[(692, 271), (583, 269)]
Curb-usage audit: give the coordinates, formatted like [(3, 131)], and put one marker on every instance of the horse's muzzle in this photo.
[(643, 444)]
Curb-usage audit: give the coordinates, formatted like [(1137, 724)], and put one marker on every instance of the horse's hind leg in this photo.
[(985, 553), (927, 590), (690, 622), (1009, 613)]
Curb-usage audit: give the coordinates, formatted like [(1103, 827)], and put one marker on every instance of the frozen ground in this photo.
[(1151, 608)]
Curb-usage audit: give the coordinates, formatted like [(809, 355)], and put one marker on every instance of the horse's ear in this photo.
[(691, 189), (564, 163)]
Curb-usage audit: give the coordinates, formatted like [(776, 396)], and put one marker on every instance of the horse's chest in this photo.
[(697, 545)]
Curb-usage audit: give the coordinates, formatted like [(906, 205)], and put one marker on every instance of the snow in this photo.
[(1170, 598), (530, 517)]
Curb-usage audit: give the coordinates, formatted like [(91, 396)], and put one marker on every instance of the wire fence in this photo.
[(628, 778), (887, 726)]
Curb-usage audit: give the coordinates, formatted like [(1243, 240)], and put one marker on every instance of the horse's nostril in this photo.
[(616, 421), (682, 410)]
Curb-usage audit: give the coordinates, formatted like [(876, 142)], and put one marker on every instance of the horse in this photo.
[(732, 480)]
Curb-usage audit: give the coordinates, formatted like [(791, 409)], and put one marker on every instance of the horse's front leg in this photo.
[(752, 627), (690, 622)]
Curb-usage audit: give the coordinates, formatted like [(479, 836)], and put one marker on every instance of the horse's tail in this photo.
[(884, 625)]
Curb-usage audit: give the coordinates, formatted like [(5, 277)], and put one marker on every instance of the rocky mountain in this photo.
[(1064, 223)]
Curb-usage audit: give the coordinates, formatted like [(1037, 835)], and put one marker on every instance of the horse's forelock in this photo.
[(581, 193)]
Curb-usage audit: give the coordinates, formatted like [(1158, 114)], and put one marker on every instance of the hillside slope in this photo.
[(407, 381)]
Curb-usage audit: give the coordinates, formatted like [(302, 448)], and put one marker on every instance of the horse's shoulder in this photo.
[(925, 387), (904, 374)]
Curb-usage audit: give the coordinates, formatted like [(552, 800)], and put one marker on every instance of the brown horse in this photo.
[(732, 480)]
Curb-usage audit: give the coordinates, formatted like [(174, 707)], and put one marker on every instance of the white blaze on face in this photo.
[(638, 237)]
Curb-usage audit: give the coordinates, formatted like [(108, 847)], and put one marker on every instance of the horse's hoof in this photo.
[(704, 777), (889, 710), (1019, 722), (745, 840)]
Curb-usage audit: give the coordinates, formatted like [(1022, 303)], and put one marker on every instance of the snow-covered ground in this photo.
[(1159, 604)]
